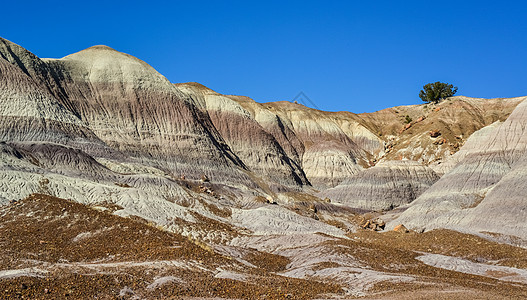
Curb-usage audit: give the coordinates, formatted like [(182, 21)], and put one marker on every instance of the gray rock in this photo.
[(385, 186)]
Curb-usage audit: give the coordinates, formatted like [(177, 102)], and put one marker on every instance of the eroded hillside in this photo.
[(176, 190)]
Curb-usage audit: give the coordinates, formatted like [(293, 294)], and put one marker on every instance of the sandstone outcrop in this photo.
[(401, 228), (456, 119), (374, 224)]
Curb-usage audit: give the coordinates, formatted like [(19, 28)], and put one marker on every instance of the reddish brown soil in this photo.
[(69, 240), (449, 242), (41, 231), (395, 252)]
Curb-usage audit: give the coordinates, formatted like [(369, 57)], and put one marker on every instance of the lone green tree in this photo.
[(434, 92)]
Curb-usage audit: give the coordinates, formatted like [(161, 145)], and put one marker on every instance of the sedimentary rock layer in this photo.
[(484, 188), (29, 112), (257, 149), (406, 130), (385, 186), (103, 124), (138, 112)]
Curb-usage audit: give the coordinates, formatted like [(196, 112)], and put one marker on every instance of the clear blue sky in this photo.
[(358, 56)]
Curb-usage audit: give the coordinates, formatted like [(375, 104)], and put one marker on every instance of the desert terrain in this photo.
[(116, 183)]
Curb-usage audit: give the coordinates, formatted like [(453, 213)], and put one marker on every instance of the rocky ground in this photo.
[(55, 249)]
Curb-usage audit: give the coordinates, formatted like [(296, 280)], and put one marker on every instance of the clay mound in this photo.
[(487, 184), (61, 160), (332, 146), (29, 112), (288, 142), (256, 148), (385, 186), (139, 113), (28, 63), (471, 145), (100, 100), (328, 146)]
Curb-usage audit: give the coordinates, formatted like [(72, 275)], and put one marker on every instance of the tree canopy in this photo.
[(437, 91)]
